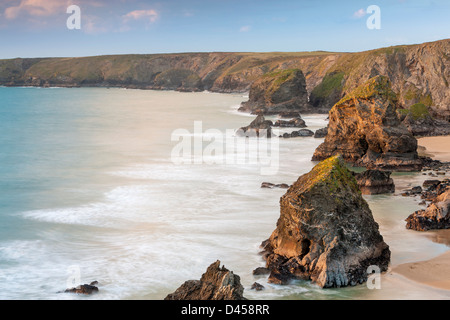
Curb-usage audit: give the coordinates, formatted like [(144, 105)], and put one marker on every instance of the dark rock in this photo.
[(326, 231), (86, 289), (261, 271), (431, 183), (289, 114), (365, 130), (269, 185), (260, 127), (294, 123), (321, 133), (435, 216), (256, 286), (216, 284), (375, 182), (299, 133)]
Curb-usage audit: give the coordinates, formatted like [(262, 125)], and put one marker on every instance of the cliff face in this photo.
[(365, 130), (326, 232), (418, 73)]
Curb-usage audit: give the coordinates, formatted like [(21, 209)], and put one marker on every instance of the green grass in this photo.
[(330, 83)]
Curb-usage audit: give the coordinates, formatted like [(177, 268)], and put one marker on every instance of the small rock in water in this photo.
[(256, 286), (86, 289)]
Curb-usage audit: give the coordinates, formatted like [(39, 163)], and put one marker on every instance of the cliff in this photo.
[(418, 73)]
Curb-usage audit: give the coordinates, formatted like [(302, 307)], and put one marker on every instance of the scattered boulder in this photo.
[(372, 182), (261, 271), (294, 123), (321, 133), (326, 232), (299, 133), (216, 284), (435, 216), (364, 128), (260, 127), (269, 185)]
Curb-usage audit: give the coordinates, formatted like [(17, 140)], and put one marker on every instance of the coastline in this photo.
[(435, 272)]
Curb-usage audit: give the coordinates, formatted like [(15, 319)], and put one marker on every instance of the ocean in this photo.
[(89, 190)]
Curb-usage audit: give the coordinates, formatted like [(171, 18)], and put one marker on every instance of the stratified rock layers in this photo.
[(326, 231), (365, 130)]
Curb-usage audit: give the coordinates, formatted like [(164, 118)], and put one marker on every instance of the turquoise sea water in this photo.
[(88, 192)]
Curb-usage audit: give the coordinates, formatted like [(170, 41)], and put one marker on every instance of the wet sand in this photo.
[(435, 272), (437, 148)]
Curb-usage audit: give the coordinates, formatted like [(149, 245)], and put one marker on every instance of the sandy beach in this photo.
[(437, 148), (434, 272)]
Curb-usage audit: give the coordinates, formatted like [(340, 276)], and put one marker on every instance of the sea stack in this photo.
[(326, 232), (364, 128), (278, 92), (217, 283)]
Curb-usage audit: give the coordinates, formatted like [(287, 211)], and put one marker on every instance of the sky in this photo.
[(39, 28)]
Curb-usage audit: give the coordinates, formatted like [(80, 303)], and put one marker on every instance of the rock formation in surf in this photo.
[(260, 127), (435, 216), (326, 232), (217, 283)]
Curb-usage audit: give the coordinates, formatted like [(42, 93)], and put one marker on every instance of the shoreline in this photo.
[(435, 272)]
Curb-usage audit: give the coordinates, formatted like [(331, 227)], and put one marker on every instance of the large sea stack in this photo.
[(326, 232), (364, 128), (277, 93)]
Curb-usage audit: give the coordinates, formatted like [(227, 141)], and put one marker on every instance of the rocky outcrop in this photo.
[(435, 216), (365, 130), (321, 133), (86, 289), (296, 134), (217, 283), (260, 127), (372, 182), (326, 232), (268, 185), (420, 122), (294, 123), (278, 92)]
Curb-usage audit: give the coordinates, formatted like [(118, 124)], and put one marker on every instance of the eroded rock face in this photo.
[(326, 231), (364, 128), (278, 92), (375, 182), (435, 216), (217, 283)]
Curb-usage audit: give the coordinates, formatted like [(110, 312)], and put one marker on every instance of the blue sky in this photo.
[(37, 28)]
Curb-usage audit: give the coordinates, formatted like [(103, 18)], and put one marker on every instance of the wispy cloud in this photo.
[(145, 15), (360, 13), (245, 29), (35, 8)]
